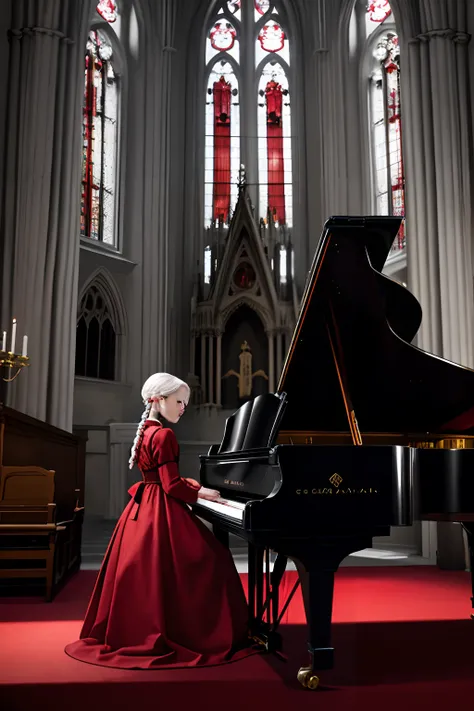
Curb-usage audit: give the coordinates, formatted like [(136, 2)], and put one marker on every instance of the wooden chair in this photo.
[(28, 529)]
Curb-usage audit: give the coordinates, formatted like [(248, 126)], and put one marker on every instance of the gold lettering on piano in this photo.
[(329, 491), (336, 479), (233, 483)]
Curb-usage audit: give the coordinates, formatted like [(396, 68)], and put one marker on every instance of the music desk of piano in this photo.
[(366, 431)]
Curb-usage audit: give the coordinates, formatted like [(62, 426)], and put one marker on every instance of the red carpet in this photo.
[(403, 638)]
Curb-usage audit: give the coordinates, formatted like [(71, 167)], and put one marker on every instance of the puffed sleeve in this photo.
[(165, 452)]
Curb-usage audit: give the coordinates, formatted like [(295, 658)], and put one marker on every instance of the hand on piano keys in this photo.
[(208, 494), (227, 507)]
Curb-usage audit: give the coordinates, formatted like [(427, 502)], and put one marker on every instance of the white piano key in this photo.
[(233, 509)]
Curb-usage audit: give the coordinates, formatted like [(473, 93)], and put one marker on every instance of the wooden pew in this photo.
[(28, 529), (27, 442)]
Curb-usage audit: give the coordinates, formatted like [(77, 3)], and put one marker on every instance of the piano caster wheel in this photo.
[(307, 678)]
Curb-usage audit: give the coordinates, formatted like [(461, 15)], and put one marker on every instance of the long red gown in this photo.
[(167, 594)]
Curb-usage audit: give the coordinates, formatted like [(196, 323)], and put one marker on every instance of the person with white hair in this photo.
[(168, 593)]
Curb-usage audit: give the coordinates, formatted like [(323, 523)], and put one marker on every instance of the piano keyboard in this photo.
[(233, 509)]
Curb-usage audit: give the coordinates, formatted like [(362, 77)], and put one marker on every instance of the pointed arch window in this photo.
[(222, 154), (254, 32), (274, 135), (95, 336), (100, 138), (272, 56), (386, 116)]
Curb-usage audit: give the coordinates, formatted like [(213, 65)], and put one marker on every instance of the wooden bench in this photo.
[(28, 528)]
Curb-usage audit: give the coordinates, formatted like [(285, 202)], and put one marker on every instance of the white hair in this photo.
[(158, 385)]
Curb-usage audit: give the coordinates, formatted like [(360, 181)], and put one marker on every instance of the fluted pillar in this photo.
[(333, 143), (41, 199), (219, 370), (271, 363), (279, 359), (192, 355), (157, 262), (439, 175), (211, 369), (203, 368)]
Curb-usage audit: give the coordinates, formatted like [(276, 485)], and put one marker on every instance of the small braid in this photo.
[(139, 435)]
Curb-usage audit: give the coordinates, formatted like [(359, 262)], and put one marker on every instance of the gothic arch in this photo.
[(290, 16), (404, 12), (104, 282), (263, 315), (216, 60)]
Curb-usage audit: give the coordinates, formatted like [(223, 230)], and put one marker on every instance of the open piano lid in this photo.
[(351, 350)]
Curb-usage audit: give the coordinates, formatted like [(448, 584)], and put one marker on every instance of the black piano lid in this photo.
[(353, 315)]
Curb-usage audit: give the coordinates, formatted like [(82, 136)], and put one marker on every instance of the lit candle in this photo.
[(12, 349), (4, 341), (25, 346)]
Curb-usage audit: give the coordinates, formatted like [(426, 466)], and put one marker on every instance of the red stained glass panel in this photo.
[(108, 10), (379, 10), (272, 37), (222, 36)]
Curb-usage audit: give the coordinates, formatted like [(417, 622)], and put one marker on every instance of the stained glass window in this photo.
[(222, 149), (271, 39), (274, 146), (234, 7), (207, 265), (254, 29), (261, 7), (100, 118), (377, 12), (108, 10), (222, 38), (386, 126)]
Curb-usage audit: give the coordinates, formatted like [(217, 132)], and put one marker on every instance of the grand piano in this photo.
[(365, 432)]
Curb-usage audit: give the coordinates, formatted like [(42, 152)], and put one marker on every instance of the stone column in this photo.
[(156, 257), (41, 199), (121, 435), (203, 368), (437, 130), (219, 370), (271, 363), (279, 360), (439, 176), (211, 370), (192, 355)]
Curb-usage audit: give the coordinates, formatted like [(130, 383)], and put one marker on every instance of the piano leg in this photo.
[(317, 587), (317, 562), (255, 583), (469, 528)]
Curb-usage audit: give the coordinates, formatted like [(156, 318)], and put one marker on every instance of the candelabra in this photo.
[(9, 361)]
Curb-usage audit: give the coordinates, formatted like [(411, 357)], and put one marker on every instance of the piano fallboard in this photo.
[(311, 489)]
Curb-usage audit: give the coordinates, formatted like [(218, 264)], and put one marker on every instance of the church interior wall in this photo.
[(160, 236), (5, 25)]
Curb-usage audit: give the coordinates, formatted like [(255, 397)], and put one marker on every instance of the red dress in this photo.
[(167, 594)]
